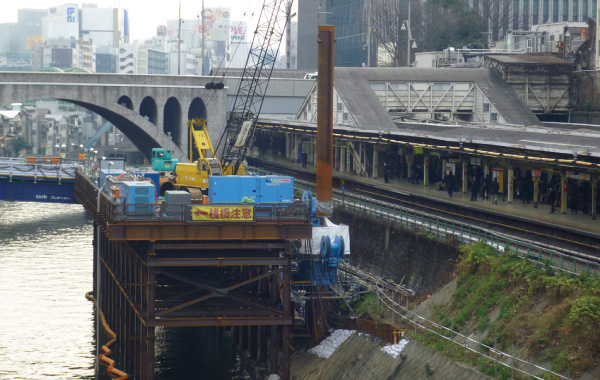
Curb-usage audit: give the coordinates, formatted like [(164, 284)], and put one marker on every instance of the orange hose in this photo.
[(103, 358)]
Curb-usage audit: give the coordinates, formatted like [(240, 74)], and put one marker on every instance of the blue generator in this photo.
[(103, 173), (139, 198), (151, 174), (250, 189)]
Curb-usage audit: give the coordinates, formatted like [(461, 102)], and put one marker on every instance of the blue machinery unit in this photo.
[(251, 189), (312, 203), (321, 270)]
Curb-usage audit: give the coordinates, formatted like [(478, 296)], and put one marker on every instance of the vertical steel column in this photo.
[(325, 121), (465, 176), (263, 344), (510, 184), (594, 180), (244, 337), (536, 191), (426, 171), (149, 338), (253, 342), (375, 160), (287, 312), (236, 335), (274, 329), (563, 193)]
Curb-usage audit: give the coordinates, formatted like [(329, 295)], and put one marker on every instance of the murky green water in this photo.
[(47, 325)]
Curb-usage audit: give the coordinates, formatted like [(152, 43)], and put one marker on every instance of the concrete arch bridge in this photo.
[(151, 110)]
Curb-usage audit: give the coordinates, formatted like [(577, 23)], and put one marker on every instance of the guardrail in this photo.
[(446, 229), (388, 293), (468, 344), (119, 213), (12, 168)]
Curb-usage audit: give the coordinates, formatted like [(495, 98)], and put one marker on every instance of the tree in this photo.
[(446, 23), (435, 26), (19, 144), (387, 17)]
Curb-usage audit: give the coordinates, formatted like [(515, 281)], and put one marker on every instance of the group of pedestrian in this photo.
[(486, 187)]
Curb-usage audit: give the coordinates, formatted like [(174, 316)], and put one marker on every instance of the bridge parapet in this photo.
[(151, 110)]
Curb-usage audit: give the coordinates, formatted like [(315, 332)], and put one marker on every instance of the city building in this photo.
[(107, 58), (16, 40), (350, 31), (504, 16), (61, 22), (105, 26), (307, 29), (65, 53)]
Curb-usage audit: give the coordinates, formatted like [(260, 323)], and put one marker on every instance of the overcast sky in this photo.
[(144, 15)]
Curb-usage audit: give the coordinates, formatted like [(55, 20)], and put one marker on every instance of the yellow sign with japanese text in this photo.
[(223, 213)]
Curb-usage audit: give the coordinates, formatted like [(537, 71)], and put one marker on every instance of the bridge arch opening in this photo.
[(125, 101), (197, 109), (149, 109), (172, 119)]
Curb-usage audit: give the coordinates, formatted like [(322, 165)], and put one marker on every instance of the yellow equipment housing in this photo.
[(195, 174)]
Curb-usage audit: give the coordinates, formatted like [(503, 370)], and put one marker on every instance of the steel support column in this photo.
[(325, 41), (510, 183)]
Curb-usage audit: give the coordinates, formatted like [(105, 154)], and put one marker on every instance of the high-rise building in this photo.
[(307, 26), (105, 26), (350, 31), (16, 40), (106, 59), (61, 22), (66, 53), (502, 16)]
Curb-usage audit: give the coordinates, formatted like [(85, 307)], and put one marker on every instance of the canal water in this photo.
[(46, 323)]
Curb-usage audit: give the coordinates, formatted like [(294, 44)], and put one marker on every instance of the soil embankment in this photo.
[(406, 257), (361, 358)]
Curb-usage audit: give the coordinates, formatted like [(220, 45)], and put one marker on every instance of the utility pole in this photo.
[(409, 37), (179, 43), (369, 34), (203, 38)]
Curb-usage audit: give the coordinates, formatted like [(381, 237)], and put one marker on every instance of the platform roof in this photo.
[(529, 59), (353, 86)]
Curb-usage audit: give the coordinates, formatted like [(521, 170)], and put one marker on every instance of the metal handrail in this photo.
[(445, 229), (420, 322)]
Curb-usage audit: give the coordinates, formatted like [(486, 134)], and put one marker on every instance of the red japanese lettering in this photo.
[(247, 213), (225, 213)]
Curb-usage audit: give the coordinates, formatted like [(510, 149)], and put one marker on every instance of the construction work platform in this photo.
[(196, 266)]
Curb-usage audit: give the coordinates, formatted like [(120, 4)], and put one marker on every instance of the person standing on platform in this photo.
[(414, 173), (386, 173), (450, 181), (551, 198), (485, 191), (304, 158), (475, 188), (494, 188)]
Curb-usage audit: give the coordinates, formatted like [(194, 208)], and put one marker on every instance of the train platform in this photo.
[(515, 210)]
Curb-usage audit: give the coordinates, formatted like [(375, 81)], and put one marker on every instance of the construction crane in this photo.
[(239, 130), (248, 101)]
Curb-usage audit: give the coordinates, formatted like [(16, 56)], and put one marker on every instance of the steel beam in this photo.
[(219, 245), (215, 261), (201, 232), (220, 321)]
